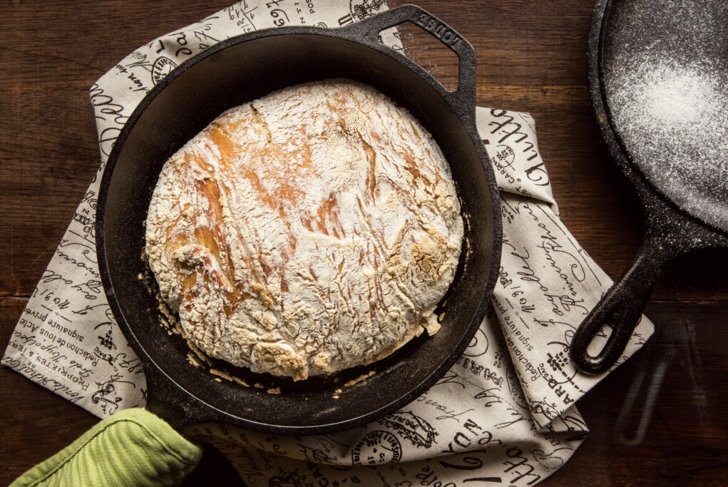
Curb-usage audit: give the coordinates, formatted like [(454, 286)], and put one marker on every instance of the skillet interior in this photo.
[(664, 69), (229, 74)]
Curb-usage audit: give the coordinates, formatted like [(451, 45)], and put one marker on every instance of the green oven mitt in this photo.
[(131, 448)]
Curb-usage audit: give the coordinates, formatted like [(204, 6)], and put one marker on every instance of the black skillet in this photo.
[(683, 188), (245, 68)]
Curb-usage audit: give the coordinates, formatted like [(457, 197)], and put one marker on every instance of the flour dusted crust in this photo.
[(307, 232)]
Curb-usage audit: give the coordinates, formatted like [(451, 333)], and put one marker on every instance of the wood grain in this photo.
[(531, 57)]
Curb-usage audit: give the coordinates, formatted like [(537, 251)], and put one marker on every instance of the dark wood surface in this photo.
[(659, 420)]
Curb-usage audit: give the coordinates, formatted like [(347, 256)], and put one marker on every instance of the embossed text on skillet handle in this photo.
[(369, 29)]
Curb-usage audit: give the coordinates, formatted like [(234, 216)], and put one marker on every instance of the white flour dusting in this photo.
[(666, 83), (677, 98)]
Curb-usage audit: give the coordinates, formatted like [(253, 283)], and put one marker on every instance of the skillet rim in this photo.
[(197, 408)]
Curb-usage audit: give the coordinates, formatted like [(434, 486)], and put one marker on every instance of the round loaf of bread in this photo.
[(312, 230)]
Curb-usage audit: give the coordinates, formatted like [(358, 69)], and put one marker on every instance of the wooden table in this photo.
[(531, 57)]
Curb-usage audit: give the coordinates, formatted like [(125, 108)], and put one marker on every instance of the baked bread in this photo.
[(309, 231)]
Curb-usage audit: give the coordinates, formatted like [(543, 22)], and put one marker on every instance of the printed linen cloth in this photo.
[(503, 413)]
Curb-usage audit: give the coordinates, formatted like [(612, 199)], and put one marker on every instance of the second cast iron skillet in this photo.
[(245, 68), (668, 60)]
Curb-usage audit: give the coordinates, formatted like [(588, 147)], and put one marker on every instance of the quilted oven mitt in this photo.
[(131, 448)]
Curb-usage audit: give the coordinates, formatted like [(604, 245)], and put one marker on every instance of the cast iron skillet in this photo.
[(245, 68), (684, 197)]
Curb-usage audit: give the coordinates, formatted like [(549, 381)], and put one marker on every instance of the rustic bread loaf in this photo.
[(309, 231)]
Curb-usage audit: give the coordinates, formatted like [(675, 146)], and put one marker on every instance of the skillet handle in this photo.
[(621, 308), (369, 29), (669, 234)]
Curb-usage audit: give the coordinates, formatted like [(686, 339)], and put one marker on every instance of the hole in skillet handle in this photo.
[(426, 50), (620, 309), (463, 97)]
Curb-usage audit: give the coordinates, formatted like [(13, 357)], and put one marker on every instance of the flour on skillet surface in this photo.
[(666, 82), (309, 231)]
